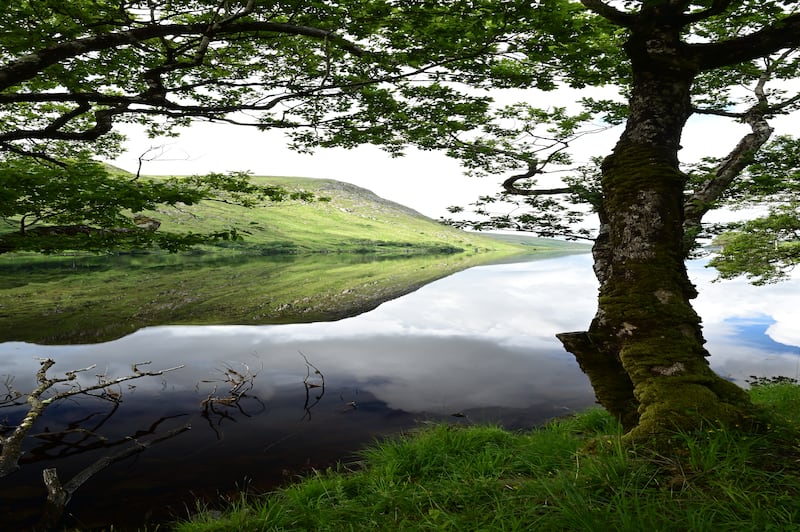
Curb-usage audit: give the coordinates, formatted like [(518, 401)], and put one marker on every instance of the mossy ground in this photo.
[(573, 474)]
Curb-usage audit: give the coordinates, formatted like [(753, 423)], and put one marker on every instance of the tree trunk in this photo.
[(598, 354), (644, 351)]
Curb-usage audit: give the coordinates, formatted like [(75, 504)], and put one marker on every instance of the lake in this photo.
[(475, 347)]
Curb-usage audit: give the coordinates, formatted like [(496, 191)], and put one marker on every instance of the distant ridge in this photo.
[(345, 218)]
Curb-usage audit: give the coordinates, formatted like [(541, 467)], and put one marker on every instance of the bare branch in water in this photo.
[(309, 404), (218, 406), (38, 401), (46, 393), (59, 495)]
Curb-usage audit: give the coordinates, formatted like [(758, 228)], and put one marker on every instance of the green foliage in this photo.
[(79, 192), (765, 249), (351, 71), (81, 205)]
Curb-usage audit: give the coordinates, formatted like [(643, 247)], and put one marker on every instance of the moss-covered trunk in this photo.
[(645, 300), (644, 350)]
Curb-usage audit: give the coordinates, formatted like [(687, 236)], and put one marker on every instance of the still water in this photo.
[(476, 347)]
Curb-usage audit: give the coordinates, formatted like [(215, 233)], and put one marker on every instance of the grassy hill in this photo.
[(298, 262), (351, 219)]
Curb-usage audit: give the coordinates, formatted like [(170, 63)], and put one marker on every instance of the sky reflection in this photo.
[(485, 332)]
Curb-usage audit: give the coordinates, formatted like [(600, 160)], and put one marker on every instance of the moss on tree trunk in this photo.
[(644, 351), (644, 311)]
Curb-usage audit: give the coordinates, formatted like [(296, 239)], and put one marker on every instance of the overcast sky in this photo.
[(426, 181)]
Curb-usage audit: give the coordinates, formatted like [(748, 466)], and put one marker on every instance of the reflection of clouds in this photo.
[(737, 298), (414, 373), (725, 305), (432, 374), (786, 317), (487, 332), (509, 303)]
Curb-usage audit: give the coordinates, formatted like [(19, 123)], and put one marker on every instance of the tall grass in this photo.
[(573, 474)]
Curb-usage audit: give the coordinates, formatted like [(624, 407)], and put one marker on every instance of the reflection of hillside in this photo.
[(100, 303), (297, 261)]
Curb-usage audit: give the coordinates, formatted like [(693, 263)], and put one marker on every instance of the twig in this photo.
[(12, 444), (308, 405)]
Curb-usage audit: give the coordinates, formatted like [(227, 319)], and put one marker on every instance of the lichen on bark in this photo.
[(644, 352)]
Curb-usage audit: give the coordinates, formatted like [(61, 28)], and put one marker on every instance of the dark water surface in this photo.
[(476, 347)]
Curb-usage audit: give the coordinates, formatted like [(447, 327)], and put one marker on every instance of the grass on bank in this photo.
[(486, 478)]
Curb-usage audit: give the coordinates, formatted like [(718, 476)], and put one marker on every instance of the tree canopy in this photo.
[(759, 169), (415, 73), (338, 73)]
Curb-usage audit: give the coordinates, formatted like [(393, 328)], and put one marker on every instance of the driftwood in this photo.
[(47, 393), (59, 495)]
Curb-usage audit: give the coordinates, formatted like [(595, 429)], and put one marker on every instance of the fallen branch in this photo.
[(37, 402), (59, 495)]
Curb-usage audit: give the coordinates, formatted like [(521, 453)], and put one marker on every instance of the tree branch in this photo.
[(26, 67), (611, 14), (5, 146), (509, 185), (717, 7), (780, 35)]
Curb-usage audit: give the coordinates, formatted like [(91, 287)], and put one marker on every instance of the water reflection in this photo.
[(478, 345)]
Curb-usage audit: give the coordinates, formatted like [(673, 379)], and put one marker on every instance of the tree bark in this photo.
[(598, 355), (644, 351)]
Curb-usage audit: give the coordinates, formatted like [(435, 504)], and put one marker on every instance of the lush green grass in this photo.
[(573, 474)]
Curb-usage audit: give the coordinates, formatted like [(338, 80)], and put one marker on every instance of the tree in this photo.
[(644, 349), (387, 73), (350, 72)]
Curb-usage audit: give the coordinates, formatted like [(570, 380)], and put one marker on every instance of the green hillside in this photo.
[(348, 219)]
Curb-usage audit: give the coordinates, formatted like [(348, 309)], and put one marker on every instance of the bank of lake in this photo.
[(572, 474)]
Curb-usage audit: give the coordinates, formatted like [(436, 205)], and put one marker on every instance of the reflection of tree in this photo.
[(60, 444), (219, 407), (309, 404)]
